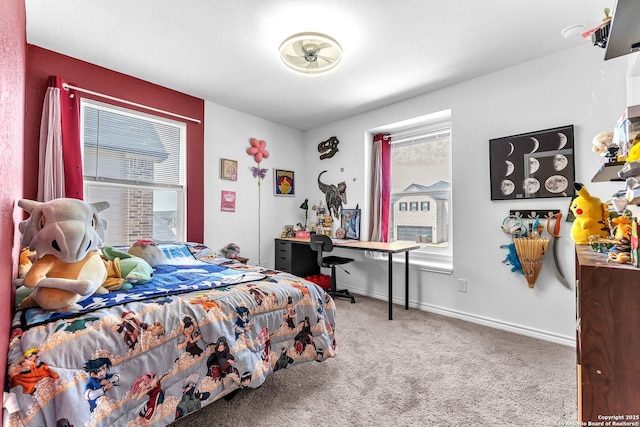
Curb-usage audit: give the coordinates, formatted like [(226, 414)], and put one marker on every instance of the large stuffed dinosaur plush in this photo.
[(65, 234)]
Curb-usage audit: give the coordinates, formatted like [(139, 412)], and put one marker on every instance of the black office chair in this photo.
[(321, 243)]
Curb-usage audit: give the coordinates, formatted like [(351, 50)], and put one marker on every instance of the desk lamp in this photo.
[(305, 206)]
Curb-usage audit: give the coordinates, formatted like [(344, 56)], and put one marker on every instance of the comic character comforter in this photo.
[(159, 351)]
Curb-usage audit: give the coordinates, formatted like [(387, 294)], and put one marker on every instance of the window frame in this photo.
[(427, 258), (180, 189)]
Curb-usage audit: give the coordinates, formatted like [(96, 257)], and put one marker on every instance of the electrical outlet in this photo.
[(462, 285)]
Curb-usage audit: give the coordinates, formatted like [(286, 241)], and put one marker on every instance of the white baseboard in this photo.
[(481, 320)]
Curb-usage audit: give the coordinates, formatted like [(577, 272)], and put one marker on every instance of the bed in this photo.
[(203, 328)]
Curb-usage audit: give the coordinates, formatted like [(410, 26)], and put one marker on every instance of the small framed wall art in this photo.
[(284, 182), (532, 165), (229, 169), (228, 201)]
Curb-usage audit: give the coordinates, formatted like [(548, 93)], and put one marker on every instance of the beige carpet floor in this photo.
[(420, 369)]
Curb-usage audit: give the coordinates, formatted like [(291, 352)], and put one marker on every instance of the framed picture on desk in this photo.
[(350, 223)]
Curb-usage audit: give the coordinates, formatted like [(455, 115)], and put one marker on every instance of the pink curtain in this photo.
[(380, 188), (60, 162)]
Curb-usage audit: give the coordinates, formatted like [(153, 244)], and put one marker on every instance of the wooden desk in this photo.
[(387, 248)]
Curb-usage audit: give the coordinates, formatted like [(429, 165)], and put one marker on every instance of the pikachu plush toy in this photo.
[(592, 216)]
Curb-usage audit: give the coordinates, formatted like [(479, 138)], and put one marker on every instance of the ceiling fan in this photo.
[(310, 53)]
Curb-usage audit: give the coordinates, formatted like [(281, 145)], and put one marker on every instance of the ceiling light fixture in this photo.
[(310, 53), (572, 30)]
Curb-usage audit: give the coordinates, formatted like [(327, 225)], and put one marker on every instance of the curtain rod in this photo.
[(66, 87)]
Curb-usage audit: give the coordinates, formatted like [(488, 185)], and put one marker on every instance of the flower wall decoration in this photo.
[(258, 149)]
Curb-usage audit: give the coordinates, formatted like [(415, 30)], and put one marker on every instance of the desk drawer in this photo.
[(295, 257), (283, 256)]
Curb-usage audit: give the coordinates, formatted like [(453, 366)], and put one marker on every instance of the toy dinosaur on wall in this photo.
[(334, 195)]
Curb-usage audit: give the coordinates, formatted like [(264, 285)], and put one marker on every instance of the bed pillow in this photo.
[(178, 254), (202, 252)]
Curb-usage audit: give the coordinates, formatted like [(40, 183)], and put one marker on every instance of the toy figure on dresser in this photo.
[(603, 146), (591, 216), (621, 250), (335, 195)]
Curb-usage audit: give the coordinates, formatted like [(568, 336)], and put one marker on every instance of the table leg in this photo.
[(390, 286), (406, 280)]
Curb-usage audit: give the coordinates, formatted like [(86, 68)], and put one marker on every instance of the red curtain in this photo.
[(71, 149), (60, 163), (380, 188)]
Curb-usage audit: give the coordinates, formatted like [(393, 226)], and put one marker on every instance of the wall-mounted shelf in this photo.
[(608, 172), (624, 33), (534, 213)]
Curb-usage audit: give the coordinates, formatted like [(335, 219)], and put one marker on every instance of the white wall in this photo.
[(227, 135), (576, 88)]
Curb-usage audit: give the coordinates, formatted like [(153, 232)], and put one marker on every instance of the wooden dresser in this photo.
[(608, 338)]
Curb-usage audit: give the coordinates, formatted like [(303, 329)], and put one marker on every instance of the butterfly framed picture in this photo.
[(284, 182)]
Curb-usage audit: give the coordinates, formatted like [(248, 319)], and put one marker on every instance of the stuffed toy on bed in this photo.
[(65, 234), (149, 251), (124, 269), (231, 251)]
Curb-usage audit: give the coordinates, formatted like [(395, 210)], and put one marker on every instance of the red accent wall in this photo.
[(42, 63), (13, 40)]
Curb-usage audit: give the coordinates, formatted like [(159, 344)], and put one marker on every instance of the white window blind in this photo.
[(131, 148), (135, 161)]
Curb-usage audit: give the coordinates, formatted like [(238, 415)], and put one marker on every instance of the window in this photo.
[(421, 179), (135, 162)]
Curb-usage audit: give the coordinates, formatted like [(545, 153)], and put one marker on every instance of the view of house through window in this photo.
[(135, 162), (421, 185)]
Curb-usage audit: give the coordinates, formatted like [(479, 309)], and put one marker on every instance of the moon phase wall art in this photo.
[(532, 165)]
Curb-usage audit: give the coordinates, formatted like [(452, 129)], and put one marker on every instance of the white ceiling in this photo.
[(226, 51)]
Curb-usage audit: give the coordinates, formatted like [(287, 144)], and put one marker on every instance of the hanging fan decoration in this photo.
[(531, 253), (310, 53)]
